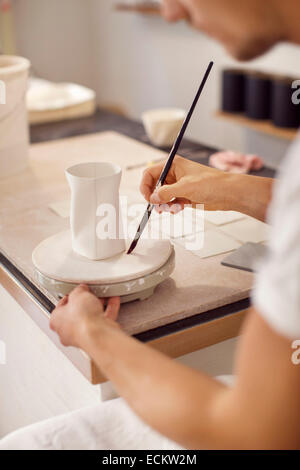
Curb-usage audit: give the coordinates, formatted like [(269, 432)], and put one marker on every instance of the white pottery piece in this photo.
[(162, 125), (14, 142), (96, 225), (43, 95)]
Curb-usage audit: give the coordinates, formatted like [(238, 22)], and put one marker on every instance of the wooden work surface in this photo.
[(196, 285)]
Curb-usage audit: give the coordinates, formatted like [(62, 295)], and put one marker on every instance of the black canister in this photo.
[(258, 96), (284, 112), (233, 91)]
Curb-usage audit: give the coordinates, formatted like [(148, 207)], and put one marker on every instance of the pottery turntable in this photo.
[(59, 269), (83, 255)]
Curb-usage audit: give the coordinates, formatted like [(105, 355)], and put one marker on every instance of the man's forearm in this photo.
[(175, 400), (248, 194)]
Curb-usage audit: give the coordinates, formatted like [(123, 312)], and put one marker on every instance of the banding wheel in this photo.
[(59, 269)]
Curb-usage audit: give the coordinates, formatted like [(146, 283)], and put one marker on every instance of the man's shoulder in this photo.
[(286, 192), (289, 172), (291, 162)]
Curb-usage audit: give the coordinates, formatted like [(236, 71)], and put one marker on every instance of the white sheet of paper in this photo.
[(247, 230), (61, 208), (223, 217), (209, 243), (184, 223)]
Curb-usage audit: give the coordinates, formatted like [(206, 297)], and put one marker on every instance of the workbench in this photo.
[(175, 338)]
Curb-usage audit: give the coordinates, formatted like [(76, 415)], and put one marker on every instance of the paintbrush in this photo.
[(169, 162)]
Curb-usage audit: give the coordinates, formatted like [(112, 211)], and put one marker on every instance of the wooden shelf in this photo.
[(146, 8), (264, 127)]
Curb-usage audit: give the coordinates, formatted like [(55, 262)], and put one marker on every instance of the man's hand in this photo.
[(191, 183), (81, 312), (187, 183)]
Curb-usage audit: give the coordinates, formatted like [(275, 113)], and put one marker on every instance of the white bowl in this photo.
[(162, 125)]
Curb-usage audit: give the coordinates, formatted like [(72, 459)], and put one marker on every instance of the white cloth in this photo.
[(277, 291), (108, 426)]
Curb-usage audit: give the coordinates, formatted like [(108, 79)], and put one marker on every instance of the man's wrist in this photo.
[(90, 330), (248, 194), (232, 185), (97, 333)]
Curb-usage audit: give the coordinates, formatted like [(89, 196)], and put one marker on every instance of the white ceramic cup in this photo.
[(14, 141), (162, 125), (96, 223)]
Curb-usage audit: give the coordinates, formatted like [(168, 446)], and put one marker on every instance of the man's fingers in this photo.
[(62, 301), (149, 180), (79, 290), (174, 207), (53, 319), (59, 305), (113, 307), (168, 192), (82, 287)]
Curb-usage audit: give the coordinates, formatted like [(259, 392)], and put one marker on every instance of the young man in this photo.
[(262, 410)]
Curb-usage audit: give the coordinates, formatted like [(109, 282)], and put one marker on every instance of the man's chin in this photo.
[(249, 50)]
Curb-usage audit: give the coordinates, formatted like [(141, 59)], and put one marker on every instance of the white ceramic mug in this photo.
[(14, 142), (96, 223)]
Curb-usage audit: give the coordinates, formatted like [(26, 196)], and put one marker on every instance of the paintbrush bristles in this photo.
[(132, 246), (141, 227)]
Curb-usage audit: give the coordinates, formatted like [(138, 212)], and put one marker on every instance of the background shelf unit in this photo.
[(264, 127)]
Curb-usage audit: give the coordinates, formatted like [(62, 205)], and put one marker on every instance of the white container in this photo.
[(162, 125), (96, 225), (14, 141)]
